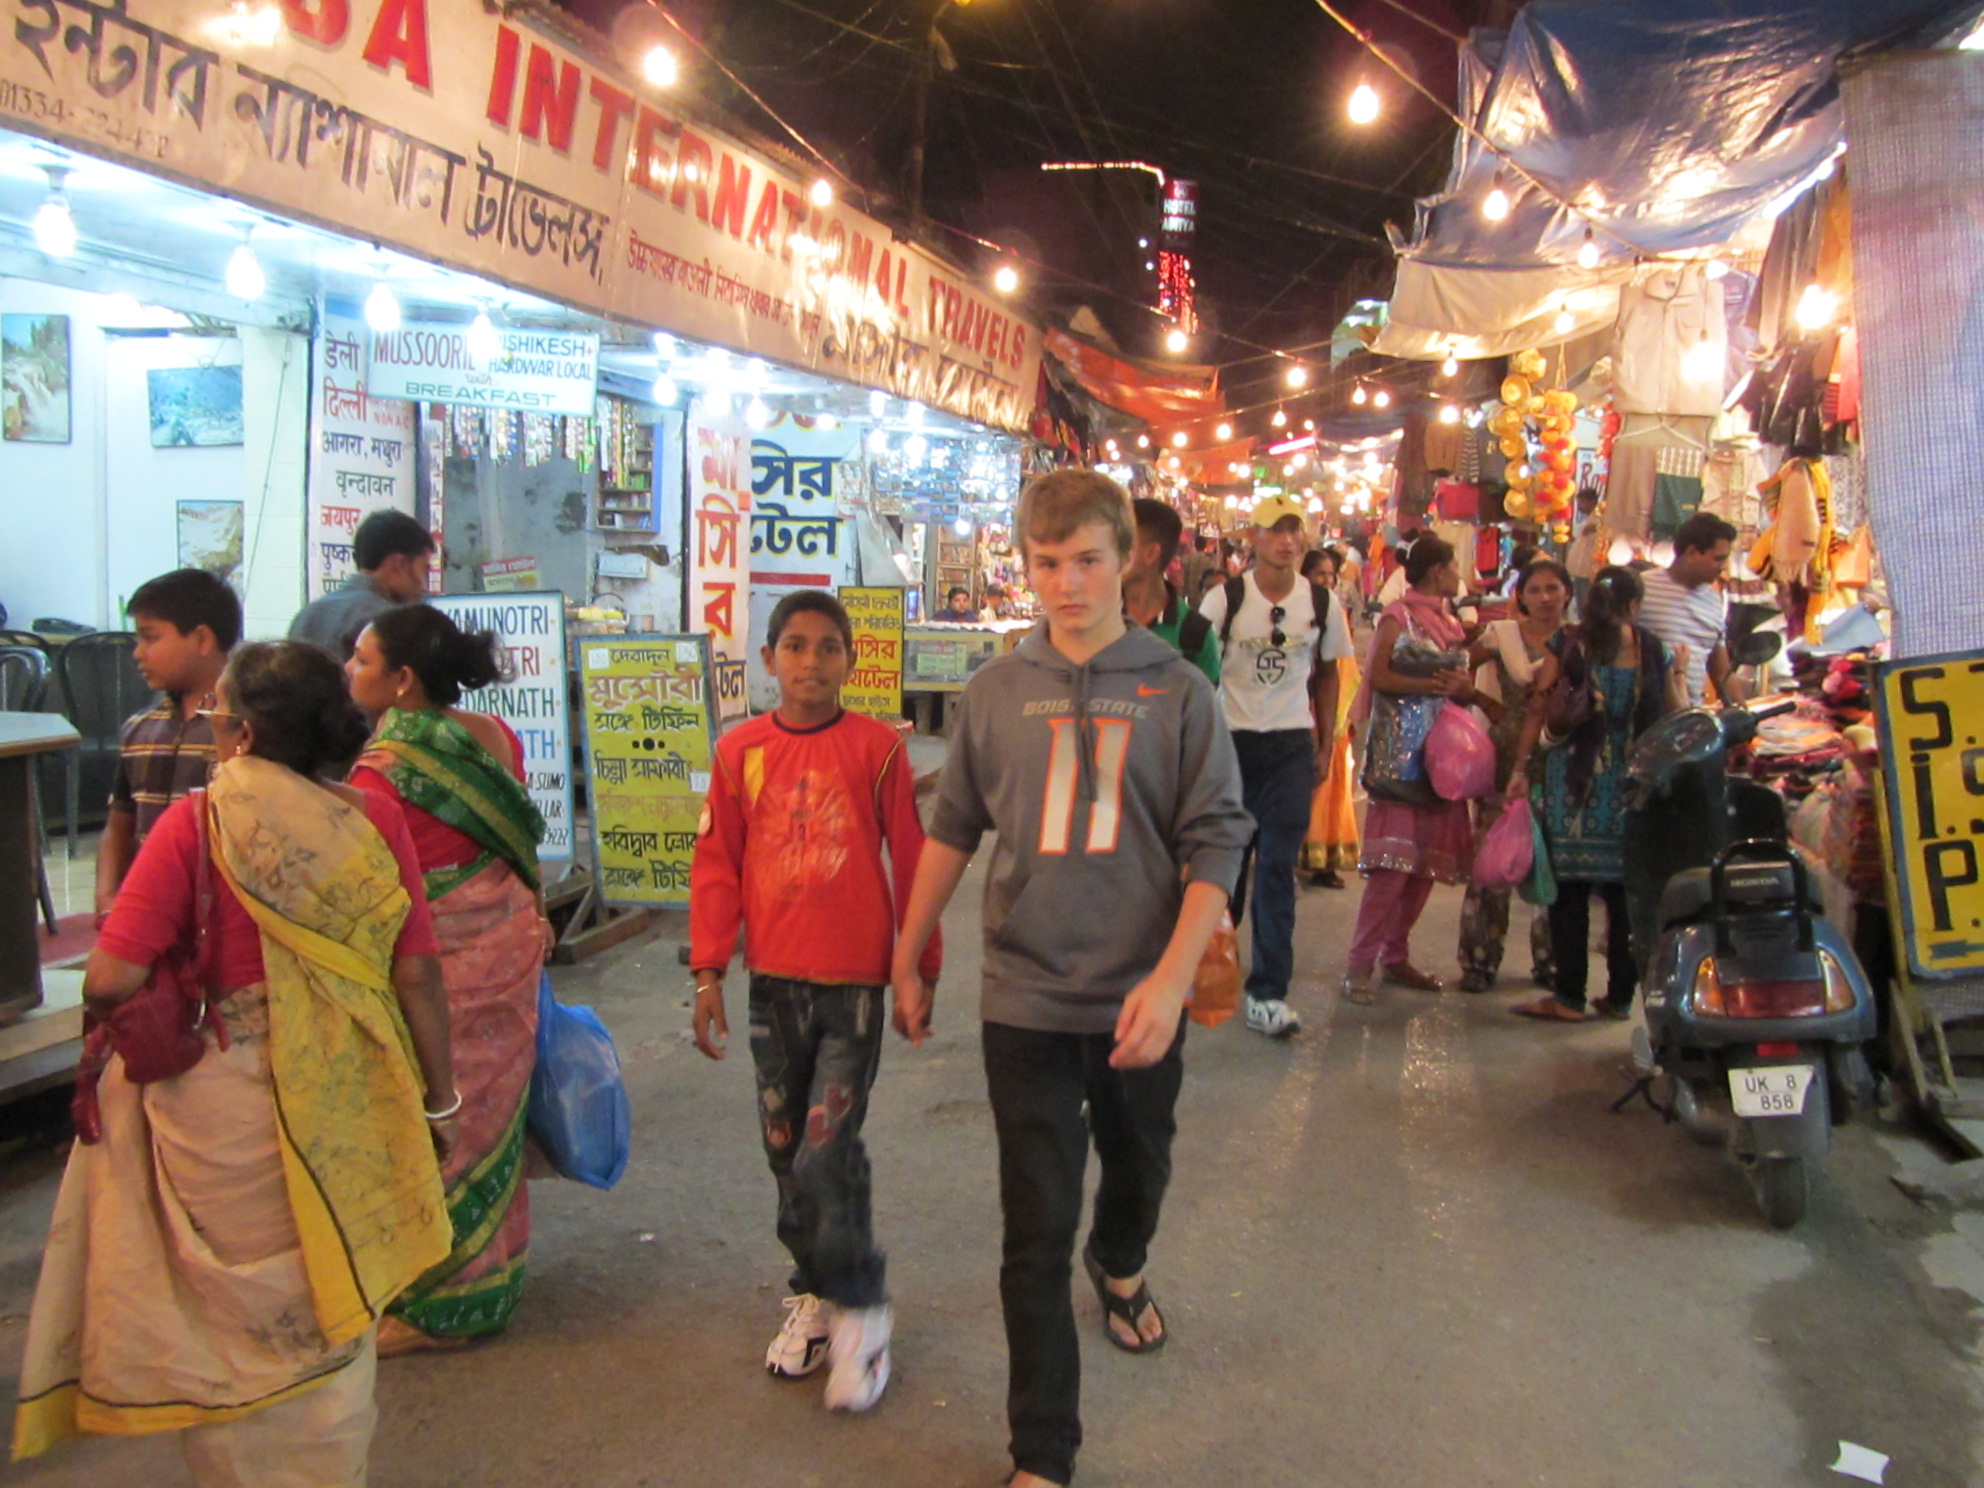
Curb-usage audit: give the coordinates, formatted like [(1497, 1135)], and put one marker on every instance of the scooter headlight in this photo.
[(1705, 996), (1840, 996)]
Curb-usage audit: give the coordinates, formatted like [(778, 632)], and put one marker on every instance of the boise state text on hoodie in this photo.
[(1108, 785)]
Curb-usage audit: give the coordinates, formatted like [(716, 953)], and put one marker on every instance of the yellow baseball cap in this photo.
[(1270, 510)]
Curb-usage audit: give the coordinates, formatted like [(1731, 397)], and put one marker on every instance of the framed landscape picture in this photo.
[(210, 537), (34, 378), (195, 406)]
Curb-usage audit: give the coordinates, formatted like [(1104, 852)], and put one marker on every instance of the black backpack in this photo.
[(1236, 596)]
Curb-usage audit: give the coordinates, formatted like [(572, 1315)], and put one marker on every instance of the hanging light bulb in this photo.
[(664, 391), (1309, 426), (485, 342), (1382, 398), (1364, 105), (1359, 396), (1451, 366), (878, 404), (1280, 419), (962, 526), (664, 346), (1178, 440), (1143, 441), (1175, 340), (827, 422), (1006, 279), (1449, 414), (758, 414), (821, 193), (1223, 432), (1565, 322), (1298, 375), (245, 279), (915, 413), (1588, 251), (54, 228), (1495, 206), (659, 67), (878, 442), (382, 309)]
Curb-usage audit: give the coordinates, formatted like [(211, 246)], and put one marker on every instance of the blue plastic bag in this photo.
[(578, 1102)]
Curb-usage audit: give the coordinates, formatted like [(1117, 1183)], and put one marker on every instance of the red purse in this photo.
[(157, 1029)]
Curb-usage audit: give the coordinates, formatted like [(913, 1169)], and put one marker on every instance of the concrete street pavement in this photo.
[(1408, 1249)]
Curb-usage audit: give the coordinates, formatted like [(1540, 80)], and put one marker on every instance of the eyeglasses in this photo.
[(1275, 617), (213, 716)]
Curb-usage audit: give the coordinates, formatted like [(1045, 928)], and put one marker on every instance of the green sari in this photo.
[(486, 919)]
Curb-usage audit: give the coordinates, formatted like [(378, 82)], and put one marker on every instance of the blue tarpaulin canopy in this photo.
[(1663, 126)]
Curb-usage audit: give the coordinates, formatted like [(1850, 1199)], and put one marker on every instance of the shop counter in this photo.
[(939, 657), (23, 738)]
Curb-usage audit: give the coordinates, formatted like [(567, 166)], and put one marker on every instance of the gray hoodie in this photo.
[(1103, 782)]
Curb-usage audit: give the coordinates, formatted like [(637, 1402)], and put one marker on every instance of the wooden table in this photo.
[(23, 737)]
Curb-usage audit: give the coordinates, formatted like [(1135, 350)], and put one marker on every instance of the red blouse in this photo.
[(154, 908), (435, 843)]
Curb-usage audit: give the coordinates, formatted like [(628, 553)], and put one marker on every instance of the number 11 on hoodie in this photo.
[(1057, 809)]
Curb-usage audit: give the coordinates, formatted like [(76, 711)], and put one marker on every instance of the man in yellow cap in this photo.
[(1279, 641)]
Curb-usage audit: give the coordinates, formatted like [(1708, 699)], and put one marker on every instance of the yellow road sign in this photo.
[(1932, 748)]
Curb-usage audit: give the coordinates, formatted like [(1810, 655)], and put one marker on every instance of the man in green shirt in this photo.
[(1148, 597)]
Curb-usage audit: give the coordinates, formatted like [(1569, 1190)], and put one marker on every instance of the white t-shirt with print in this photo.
[(1265, 686)]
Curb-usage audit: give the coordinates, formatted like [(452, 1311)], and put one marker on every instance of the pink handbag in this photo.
[(1508, 850), (1460, 757)]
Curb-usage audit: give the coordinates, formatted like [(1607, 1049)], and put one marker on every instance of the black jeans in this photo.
[(816, 1049), (1038, 1083), (1570, 942)]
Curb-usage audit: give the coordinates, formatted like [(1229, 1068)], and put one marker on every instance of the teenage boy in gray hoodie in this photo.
[(1098, 756)]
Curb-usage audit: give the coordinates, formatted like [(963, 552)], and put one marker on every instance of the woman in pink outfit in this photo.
[(1418, 661)]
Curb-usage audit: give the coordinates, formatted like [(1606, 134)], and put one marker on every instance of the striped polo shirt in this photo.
[(1680, 616), (163, 758)]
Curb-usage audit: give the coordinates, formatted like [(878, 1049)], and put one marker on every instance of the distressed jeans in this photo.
[(816, 1049)]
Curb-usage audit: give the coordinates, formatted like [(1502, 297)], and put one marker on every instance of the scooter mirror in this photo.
[(1756, 648)]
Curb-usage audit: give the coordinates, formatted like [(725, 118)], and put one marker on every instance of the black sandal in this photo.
[(1129, 1309)]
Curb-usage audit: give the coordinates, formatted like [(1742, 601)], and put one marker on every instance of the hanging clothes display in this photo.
[(1632, 481), (1664, 314), (1443, 446), (1677, 489)]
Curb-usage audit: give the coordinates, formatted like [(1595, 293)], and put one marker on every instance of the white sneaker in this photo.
[(801, 1345), (860, 1355), (1273, 1017)]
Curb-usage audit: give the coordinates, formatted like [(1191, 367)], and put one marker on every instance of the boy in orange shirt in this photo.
[(801, 803)]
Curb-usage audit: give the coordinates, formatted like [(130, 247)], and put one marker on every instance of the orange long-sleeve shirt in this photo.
[(790, 846)]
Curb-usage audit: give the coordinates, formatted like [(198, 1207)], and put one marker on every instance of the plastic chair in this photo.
[(23, 688), (100, 687)]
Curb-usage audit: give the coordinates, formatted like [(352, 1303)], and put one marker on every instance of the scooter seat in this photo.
[(1690, 893)]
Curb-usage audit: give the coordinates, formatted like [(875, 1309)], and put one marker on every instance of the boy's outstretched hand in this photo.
[(1148, 1023), (914, 997), (709, 1019)]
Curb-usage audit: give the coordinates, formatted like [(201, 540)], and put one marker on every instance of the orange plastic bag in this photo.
[(1216, 984)]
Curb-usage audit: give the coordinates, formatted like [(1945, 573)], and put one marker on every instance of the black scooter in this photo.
[(1756, 1008)]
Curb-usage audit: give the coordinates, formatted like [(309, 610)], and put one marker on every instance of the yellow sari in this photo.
[(221, 1257)]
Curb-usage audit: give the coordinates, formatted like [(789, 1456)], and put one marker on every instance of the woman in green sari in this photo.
[(459, 776)]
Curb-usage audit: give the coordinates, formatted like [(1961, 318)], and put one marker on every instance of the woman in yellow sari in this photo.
[(458, 776), (1330, 848), (219, 1260)]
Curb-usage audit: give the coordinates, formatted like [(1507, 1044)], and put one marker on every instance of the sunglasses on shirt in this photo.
[(1275, 617)]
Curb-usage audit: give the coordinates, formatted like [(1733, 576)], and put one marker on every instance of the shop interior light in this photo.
[(878, 404), (821, 193), (962, 526), (1816, 308), (1176, 463), (1495, 206), (1179, 440), (1449, 414), (1451, 366), (915, 448), (1715, 269), (878, 442), (1309, 426), (826, 423), (1143, 441), (719, 403), (245, 279), (54, 228), (1223, 432), (664, 391), (660, 68), (1176, 341), (717, 360), (1565, 322), (1359, 396), (916, 413), (485, 342), (754, 373), (1588, 251), (382, 309), (1382, 398), (1005, 278), (1280, 419), (1365, 105), (664, 346), (758, 414), (1298, 375)]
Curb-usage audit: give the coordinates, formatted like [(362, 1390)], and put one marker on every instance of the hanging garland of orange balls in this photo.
[(1542, 489)]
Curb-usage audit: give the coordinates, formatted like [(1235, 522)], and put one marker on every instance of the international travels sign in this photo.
[(461, 134)]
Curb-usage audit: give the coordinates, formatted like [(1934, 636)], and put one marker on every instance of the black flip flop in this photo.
[(1129, 1309)]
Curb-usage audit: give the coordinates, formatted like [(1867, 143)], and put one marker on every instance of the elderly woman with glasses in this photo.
[(221, 1254)]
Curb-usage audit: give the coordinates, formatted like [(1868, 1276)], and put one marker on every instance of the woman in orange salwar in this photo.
[(1329, 850), (459, 778), (219, 1257)]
